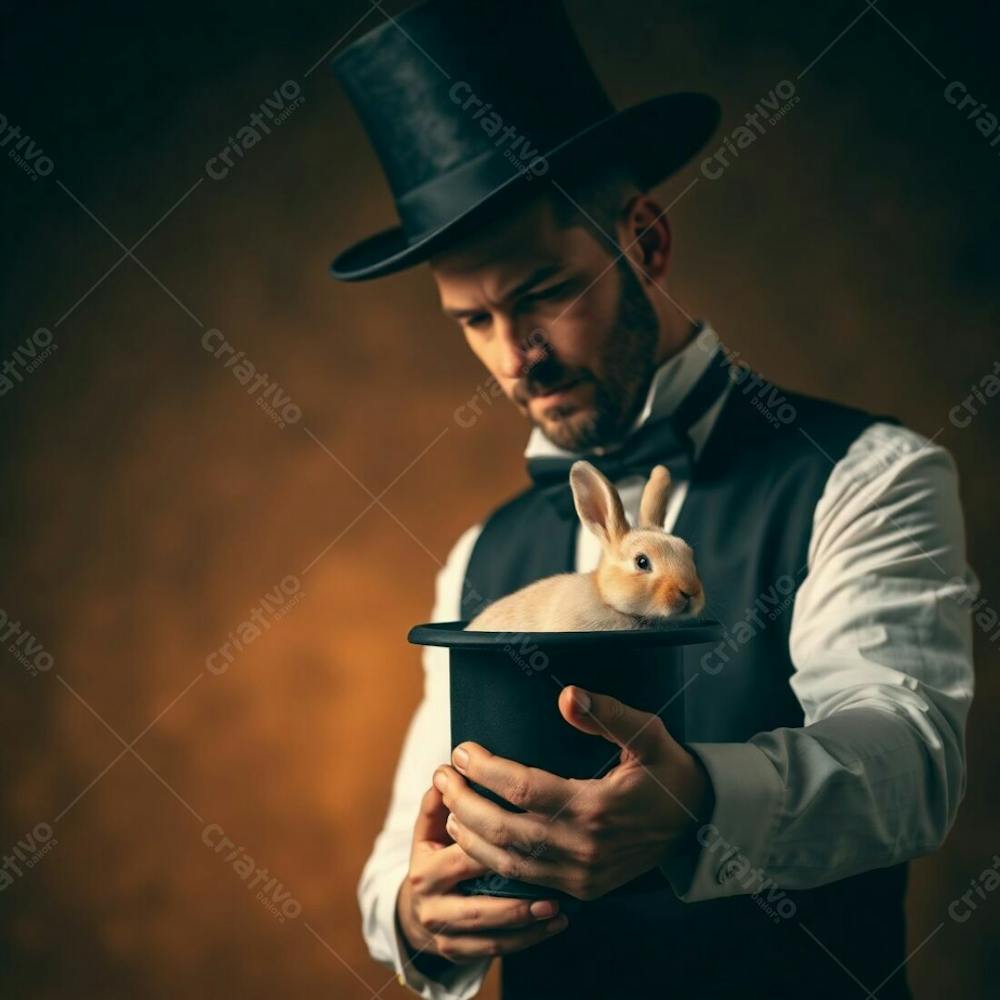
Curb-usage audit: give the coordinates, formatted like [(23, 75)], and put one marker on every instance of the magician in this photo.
[(825, 734)]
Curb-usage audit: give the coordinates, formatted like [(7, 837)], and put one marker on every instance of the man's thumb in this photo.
[(641, 733), (431, 819)]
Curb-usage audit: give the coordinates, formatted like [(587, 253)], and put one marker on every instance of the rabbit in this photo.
[(645, 574)]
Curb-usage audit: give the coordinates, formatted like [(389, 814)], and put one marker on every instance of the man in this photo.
[(766, 856)]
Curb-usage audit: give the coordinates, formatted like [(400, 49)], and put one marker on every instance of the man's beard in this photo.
[(627, 363)]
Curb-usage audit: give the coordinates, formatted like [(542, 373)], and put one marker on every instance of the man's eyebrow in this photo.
[(535, 278)]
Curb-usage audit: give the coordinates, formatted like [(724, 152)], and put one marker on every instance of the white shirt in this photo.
[(881, 644)]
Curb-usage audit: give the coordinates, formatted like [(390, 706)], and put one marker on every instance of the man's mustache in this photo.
[(537, 384)]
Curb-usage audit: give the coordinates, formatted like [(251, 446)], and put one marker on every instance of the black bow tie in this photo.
[(663, 440)]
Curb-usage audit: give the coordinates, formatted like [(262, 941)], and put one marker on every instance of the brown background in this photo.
[(148, 503)]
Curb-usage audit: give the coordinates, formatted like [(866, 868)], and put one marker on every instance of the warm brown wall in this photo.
[(149, 505)]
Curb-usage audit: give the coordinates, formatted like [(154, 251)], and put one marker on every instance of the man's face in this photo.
[(569, 335)]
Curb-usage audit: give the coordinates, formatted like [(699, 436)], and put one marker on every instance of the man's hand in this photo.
[(436, 920), (585, 837)]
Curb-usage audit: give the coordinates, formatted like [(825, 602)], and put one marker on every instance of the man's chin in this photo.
[(571, 430)]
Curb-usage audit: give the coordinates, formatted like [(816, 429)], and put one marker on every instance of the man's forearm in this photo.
[(881, 643), (866, 787)]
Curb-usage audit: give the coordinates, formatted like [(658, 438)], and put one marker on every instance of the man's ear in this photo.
[(649, 236), (597, 503)]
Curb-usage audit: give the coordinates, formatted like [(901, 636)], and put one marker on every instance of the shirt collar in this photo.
[(670, 384)]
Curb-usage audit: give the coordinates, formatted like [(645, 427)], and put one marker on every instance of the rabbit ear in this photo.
[(597, 503), (653, 506)]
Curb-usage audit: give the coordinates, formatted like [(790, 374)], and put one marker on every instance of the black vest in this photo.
[(748, 516)]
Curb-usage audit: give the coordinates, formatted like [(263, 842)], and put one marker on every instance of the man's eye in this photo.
[(554, 291), (642, 562), (478, 321)]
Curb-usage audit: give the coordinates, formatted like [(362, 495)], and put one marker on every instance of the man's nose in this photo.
[(522, 345)]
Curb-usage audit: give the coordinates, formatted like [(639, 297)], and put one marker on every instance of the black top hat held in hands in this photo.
[(471, 106), (503, 692)]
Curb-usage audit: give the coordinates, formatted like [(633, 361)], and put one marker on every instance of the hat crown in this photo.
[(469, 103), (448, 82)]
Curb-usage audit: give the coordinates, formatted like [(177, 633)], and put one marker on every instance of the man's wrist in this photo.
[(701, 805), (427, 963), (739, 823)]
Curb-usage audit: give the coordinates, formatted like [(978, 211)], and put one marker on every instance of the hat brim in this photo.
[(657, 137)]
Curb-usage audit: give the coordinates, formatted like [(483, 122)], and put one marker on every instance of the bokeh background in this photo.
[(150, 505)]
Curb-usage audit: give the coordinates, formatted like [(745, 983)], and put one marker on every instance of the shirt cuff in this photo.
[(459, 982), (734, 843)]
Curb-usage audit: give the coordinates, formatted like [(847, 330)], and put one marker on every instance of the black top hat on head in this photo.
[(472, 106)]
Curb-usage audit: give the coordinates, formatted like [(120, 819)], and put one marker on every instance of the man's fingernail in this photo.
[(542, 908), (582, 700), (461, 758), (440, 780)]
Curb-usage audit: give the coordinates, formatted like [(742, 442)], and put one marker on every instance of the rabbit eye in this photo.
[(642, 562)]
